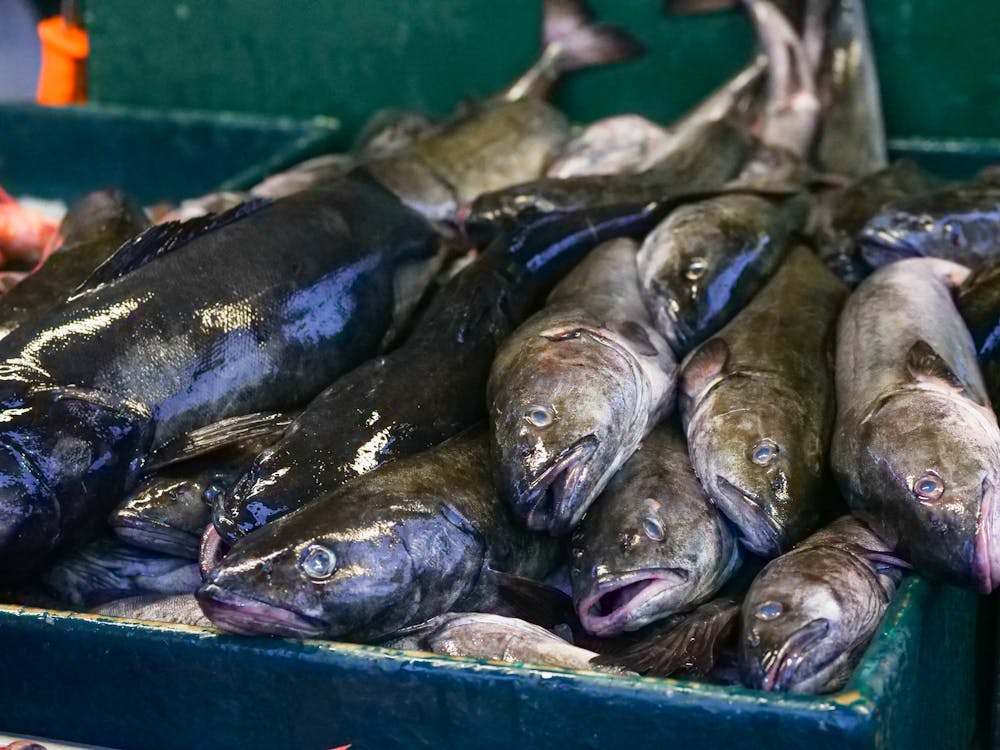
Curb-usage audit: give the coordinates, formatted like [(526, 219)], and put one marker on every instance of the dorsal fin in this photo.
[(924, 364), (161, 239)]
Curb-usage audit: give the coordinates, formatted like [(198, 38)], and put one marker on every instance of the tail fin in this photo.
[(572, 41)]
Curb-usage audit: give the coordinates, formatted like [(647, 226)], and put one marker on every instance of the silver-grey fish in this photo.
[(652, 544), (916, 449), (810, 614), (574, 390), (180, 609)]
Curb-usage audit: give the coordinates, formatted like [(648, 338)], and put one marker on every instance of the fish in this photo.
[(757, 403), (652, 544), (623, 144), (839, 215), (978, 301), (810, 614), (491, 637), (92, 230), (204, 205), (419, 537), (147, 350), (511, 137), (851, 137), (959, 223), (179, 609), (916, 447), (105, 569), (574, 390), (374, 415), (390, 130), (24, 233), (303, 176)]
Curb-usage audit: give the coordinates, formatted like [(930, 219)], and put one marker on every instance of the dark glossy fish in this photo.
[(106, 569), (573, 391), (810, 614), (375, 414), (916, 449), (150, 349), (960, 224), (978, 300), (419, 537), (91, 231), (839, 215), (510, 138), (179, 609), (758, 414), (652, 544)]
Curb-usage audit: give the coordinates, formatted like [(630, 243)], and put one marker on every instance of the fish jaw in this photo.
[(236, 613), (552, 502), (986, 562), (624, 596), (759, 532), (780, 668), (153, 535)]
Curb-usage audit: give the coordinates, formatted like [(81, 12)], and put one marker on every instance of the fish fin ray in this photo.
[(924, 363), (583, 43), (704, 365), (222, 434)]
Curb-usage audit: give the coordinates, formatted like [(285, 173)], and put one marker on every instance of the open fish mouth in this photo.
[(614, 604), (243, 615), (780, 666), (211, 550), (149, 534), (552, 499), (759, 531), (986, 562)]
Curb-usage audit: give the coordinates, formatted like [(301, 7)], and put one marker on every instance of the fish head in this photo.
[(928, 468), (761, 458), (342, 571), (558, 418), (805, 619), (641, 554), (164, 513), (29, 508)]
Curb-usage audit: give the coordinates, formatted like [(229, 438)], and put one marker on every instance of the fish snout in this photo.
[(986, 560), (617, 603), (780, 666), (236, 613), (555, 498), (760, 532)]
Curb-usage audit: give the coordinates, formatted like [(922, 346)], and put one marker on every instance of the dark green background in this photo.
[(939, 59)]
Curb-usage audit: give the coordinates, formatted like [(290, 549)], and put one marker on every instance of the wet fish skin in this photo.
[(93, 228), (575, 389), (916, 448), (652, 527), (106, 569), (960, 224), (179, 609), (372, 415), (978, 301), (390, 130), (305, 175), (758, 417), (810, 614), (421, 536), (623, 144), (707, 260), (75, 434)]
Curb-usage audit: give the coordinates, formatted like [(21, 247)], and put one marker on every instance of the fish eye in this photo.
[(696, 269), (318, 562), (212, 493), (928, 487), (768, 611), (954, 233), (764, 452), (652, 528), (538, 415)]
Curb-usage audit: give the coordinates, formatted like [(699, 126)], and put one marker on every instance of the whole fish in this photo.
[(978, 300), (652, 544), (374, 414), (482, 635), (511, 137), (757, 401), (421, 536), (184, 326), (839, 215), (106, 569), (960, 224), (92, 230), (916, 449), (180, 609), (810, 614), (575, 389)]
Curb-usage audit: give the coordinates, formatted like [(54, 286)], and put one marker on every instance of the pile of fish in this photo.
[(632, 398)]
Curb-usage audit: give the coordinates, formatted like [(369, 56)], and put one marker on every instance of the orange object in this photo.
[(25, 235), (63, 77)]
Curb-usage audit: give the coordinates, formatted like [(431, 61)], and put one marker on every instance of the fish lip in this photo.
[(771, 529), (658, 581), (564, 469), (237, 613), (212, 547), (779, 673), (138, 532), (986, 559)]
